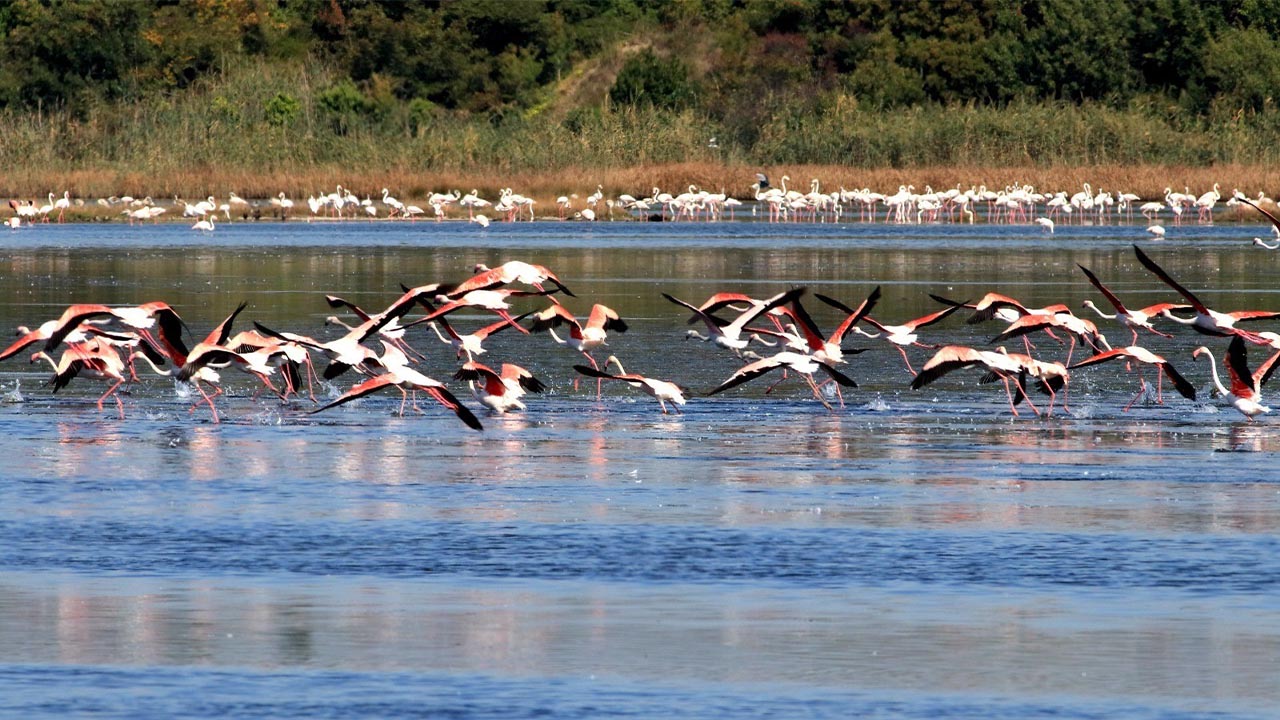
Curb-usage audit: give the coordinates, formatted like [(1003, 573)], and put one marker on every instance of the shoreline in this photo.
[(416, 185)]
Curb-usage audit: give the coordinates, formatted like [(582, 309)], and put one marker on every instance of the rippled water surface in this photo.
[(917, 554)]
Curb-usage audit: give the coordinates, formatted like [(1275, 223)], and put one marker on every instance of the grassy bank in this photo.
[(224, 136)]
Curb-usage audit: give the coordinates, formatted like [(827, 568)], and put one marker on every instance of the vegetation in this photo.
[(161, 97)]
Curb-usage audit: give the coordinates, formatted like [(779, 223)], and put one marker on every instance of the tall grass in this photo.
[(216, 138)]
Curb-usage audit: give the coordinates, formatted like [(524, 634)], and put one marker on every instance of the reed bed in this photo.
[(221, 137)]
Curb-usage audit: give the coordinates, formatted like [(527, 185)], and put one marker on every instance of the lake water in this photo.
[(918, 554)]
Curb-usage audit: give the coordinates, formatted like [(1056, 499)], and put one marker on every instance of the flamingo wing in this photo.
[(1159, 272), (1110, 296), (1242, 381), (367, 387), (852, 316)]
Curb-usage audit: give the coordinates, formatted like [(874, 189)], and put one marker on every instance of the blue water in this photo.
[(912, 554)]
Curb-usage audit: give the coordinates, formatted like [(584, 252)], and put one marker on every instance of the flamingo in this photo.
[(1132, 319), (205, 226), (481, 220), (1064, 320), (663, 391), (999, 365), (486, 278), (801, 363), (1256, 241), (88, 359), (500, 392), (399, 374), (347, 351), (63, 203), (902, 336), (1245, 394), (471, 343), (1157, 232), (1143, 355), (1206, 321), (392, 330), (729, 334), (492, 300), (208, 354), (582, 338), (1045, 223)]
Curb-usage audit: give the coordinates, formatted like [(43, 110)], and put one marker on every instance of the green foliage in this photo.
[(1242, 69), (521, 84), (647, 79), (282, 110), (344, 105)]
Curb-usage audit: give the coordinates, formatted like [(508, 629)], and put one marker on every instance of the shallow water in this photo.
[(912, 554)]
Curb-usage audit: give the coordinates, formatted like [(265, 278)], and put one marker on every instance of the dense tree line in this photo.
[(737, 62)]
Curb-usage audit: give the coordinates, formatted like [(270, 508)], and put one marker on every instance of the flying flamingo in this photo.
[(902, 336), (1132, 319), (1245, 393), (1142, 355), (729, 334), (999, 365), (1076, 327), (399, 374), (1206, 321), (499, 391), (512, 271), (492, 300), (663, 391), (582, 338), (206, 356), (88, 359), (471, 343), (801, 363)]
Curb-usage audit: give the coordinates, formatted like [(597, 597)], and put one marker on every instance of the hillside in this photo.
[(98, 93)]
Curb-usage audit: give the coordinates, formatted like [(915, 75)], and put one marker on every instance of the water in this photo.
[(917, 554)]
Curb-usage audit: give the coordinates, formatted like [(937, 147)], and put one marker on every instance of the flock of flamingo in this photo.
[(1012, 204), (105, 343)]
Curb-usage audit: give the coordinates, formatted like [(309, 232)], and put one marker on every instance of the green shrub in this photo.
[(282, 110)]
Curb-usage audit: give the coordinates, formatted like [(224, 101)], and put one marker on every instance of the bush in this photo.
[(647, 79), (283, 110)]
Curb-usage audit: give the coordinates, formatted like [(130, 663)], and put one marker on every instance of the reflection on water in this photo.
[(914, 554)]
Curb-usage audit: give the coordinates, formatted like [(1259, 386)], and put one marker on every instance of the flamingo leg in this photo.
[(817, 393), (108, 393), (903, 352), (1142, 390), (1009, 394)]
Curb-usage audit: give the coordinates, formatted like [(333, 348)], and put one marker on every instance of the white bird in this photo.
[(14, 222), (204, 225), (1157, 231), (480, 220), (1262, 243), (1045, 223)]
